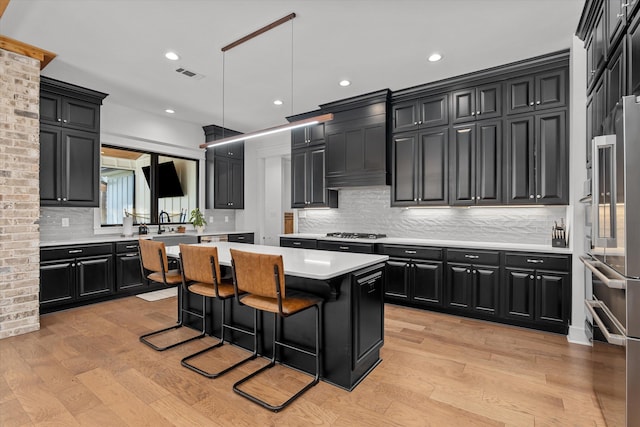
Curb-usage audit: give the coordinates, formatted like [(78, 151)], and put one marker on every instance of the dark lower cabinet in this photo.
[(414, 275), (473, 287), (292, 242), (342, 246), (73, 274), (538, 296), (368, 317), (241, 238), (128, 270)]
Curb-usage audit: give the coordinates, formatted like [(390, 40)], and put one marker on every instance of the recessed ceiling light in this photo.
[(345, 83), (172, 56), (277, 102), (169, 110), (435, 57)]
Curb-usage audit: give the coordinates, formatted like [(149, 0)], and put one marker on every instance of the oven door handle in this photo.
[(615, 339), (597, 267)]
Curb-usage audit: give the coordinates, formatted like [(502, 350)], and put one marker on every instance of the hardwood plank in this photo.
[(86, 366)]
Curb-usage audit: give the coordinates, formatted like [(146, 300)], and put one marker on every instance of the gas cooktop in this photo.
[(342, 235)]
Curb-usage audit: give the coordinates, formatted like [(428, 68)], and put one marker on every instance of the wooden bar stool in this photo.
[(261, 277), (201, 276), (153, 258)]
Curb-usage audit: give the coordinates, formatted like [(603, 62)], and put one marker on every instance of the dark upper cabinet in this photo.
[(616, 78), (308, 187), (420, 168), (310, 135), (537, 92), (633, 55), (234, 150), (476, 163), (228, 183), (595, 45), (600, 105), (424, 112), (479, 103), (224, 170), (69, 167), (56, 109), (69, 144), (537, 160), (356, 141), (616, 20)]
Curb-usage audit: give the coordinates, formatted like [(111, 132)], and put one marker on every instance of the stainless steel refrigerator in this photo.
[(613, 262)]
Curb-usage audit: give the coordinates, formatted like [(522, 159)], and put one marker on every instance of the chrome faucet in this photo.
[(161, 217)]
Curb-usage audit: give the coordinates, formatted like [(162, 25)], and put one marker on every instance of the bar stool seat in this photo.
[(201, 276), (261, 277), (153, 259)]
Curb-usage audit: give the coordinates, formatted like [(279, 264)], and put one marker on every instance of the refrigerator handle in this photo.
[(615, 339), (611, 278)]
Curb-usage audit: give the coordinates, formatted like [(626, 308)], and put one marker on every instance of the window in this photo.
[(150, 187)]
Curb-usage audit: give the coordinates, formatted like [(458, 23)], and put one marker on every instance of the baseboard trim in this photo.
[(578, 336)]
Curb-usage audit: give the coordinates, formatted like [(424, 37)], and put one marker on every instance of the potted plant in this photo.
[(197, 219)]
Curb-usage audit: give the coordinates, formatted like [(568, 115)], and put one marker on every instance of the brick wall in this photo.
[(19, 194)]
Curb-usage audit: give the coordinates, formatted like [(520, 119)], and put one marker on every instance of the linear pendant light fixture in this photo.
[(268, 131)]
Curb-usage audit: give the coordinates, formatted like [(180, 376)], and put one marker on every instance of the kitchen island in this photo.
[(352, 286)]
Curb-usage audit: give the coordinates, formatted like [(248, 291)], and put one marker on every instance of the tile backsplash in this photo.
[(367, 210), (81, 223)]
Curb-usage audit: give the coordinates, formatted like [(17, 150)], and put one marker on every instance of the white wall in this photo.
[(578, 174)]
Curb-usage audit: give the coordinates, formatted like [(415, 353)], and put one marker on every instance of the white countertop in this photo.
[(440, 243), (307, 263), (108, 238)]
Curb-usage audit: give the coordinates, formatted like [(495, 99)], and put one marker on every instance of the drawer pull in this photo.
[(75, 251), (471, 256), (131, 255), (240, 237), (131, 247), (344, 248), (297, 243), (410, 252), (535, 261)]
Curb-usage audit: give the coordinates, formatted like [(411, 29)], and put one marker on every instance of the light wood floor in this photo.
[(86, 367)]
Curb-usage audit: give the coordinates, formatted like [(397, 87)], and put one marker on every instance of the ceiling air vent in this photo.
[(189, 73)]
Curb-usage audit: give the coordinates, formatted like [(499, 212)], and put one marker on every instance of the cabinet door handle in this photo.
[(419, 122), (64, 199), (539, 277), (620, 15), (538, 196), (64, 121), (537, 102), (474, 271), (75, 251), (531, 103), (59, 199), (415, 123), (478, 113), (531, 277), (468, 271), (409, 252), (344, 248), (73, 264), (531, 196), (473, 113), (535, 261), (471, 256)]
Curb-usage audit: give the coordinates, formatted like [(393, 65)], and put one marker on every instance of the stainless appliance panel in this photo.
[(616, 191), (633, 310)]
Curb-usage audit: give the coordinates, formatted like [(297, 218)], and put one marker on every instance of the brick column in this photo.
[(19, 194)]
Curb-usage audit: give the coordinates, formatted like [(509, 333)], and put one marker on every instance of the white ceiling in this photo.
[(118, 46)]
